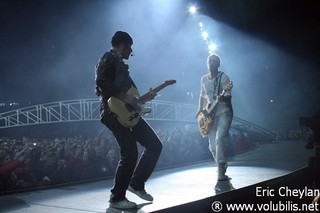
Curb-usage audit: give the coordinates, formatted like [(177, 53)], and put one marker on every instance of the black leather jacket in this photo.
[(111, 76)]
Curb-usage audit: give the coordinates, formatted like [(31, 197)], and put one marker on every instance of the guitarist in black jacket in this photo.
[(216, 89), (113, 80)]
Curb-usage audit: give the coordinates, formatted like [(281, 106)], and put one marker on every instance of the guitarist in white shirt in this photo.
[(113, 81), (216, 87)]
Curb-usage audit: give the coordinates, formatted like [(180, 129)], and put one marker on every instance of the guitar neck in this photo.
[(144, 97), (216, 102)]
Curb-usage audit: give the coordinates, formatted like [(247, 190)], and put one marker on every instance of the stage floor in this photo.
[(169, 187)]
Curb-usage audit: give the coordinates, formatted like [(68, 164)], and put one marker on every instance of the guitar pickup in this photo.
[(135, 115)]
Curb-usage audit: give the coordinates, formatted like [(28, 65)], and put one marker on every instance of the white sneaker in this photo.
[(142, 194), (123, 204)]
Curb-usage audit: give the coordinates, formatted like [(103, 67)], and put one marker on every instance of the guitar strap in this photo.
[(217, 84), (217, 81)]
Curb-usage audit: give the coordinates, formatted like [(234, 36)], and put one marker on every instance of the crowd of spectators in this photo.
[(303, 134), (30, 163)]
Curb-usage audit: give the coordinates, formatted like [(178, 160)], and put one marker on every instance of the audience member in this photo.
[(30, 163)]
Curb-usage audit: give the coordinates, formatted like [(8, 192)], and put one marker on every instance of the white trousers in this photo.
[(219, 137)]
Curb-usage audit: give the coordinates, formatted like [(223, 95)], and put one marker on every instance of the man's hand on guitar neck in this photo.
[(150, 95), (229, 85)]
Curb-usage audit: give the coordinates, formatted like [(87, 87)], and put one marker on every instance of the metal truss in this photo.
[(89, 110)]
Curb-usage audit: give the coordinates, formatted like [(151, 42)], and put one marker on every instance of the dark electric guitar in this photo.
[(129, 115), (204, 117)]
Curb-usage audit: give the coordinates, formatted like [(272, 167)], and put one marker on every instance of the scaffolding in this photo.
[(89, 110)]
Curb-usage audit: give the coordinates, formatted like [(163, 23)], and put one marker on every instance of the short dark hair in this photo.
[(121, 37), (214, 57)]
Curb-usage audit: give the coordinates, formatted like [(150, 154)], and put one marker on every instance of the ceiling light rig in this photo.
[(212, 47), (193, 9)]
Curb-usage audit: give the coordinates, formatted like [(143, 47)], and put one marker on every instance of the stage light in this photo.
[(192, 9), (14, 104), (212, 47), (201, 25), (205, 35)]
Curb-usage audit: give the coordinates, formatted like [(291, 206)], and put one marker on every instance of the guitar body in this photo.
[(126, 114), (205, 119), (129, 116), (204, 122)]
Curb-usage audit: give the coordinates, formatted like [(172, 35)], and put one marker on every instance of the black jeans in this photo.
[(127, 172)]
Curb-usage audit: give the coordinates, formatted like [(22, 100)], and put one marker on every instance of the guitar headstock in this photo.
[(170, 82)]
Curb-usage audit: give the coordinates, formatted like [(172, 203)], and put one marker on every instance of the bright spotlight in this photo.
[(205, 35), (201, 25), (212, 47), (192, 9)]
